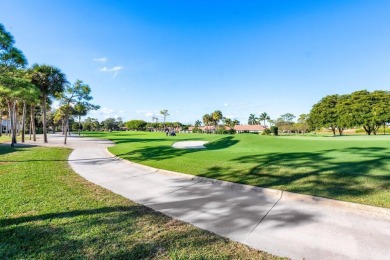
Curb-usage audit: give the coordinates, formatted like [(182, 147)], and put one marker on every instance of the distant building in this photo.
[(5, 125), (249, 128)]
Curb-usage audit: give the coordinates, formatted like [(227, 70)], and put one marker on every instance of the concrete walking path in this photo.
[(281, 223)]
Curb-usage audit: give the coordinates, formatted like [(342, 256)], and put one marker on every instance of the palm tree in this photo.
[(51, 82), (198, 123), (206, 120), (253, 120), (263, 117), (216, 117), (165, 114)]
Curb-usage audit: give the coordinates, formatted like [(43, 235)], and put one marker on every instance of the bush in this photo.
[(266, 132), (274, 130), (197, 130), (221, 131)]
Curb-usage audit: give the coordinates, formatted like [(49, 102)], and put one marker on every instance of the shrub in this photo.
[(266, 132), (274, 130), (197, 130), (221, 131)]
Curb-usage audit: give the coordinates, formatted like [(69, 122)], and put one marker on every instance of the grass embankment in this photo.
[(349, 168), (48, 211)]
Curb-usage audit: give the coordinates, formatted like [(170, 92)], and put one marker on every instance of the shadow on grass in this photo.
[(49, 236), (222, 143), (163, 152), (315, 173), (122, 232), (7, 149)]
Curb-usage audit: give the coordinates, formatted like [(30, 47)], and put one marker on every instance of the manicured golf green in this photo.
[(350, 168), (49, 212)]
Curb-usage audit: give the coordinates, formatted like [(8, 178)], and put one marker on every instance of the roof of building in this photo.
[(237, 128)]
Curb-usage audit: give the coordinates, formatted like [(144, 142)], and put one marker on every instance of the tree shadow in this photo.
[(314, 173), (163, 152), (59, 235), (226, 211), (19, 147), (221, 143), (118, 232)]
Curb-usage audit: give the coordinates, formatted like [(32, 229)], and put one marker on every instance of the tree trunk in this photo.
[(44, 119), (334, 131), (33, 123), (66, 129), (30, 127), (79, 125), (63, 125), (11, 107), (367, 129), (1, 123), (340, 131), (23, 120)]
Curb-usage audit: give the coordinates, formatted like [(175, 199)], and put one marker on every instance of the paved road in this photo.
[(280, 223)]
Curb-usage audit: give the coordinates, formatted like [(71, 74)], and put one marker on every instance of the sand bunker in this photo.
[(189, 145)]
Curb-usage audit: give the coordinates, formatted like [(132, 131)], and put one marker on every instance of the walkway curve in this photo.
[(281, 223)]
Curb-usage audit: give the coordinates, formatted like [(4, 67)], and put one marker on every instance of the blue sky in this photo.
[(194, 57)]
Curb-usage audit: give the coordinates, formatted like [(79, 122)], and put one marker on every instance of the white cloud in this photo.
[(102, 59), (226, 104), (149, 114), (115, 70)]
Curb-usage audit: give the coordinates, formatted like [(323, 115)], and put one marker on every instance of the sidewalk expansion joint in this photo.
[(266, 214)]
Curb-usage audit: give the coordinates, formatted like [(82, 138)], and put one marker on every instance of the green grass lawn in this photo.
[(350, 168), (49, 212), (4, 138)]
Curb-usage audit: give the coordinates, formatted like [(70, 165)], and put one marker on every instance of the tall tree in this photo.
[(10, 56), (362, 108), (381, 108), (253, 120), (51, 83), (12, 77), (302, 125), (76, 97), (264, 117), (14, 88), (325, 113), (165, 114), (216, 117), (198, 123), (206, 120), (82, 97)]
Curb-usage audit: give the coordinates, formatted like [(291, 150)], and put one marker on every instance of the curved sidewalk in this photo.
[(281, 223)]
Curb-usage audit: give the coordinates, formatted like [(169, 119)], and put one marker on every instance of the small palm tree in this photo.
[(198, 123)]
